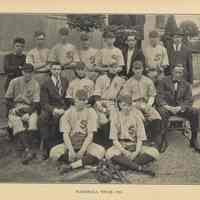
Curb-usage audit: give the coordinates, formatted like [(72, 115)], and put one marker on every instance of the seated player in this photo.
[(53, 106), (175, 98), (128, 134), (80, 82), (143, 93), (23, 97), (78, 125), (107, 88)]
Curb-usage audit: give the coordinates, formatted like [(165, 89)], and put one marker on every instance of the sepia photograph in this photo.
[(100, 98)]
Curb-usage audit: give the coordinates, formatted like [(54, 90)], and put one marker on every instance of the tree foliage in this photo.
[(189, 28), (86, 23)]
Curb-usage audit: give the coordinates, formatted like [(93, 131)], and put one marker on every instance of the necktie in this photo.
[(59, 85)]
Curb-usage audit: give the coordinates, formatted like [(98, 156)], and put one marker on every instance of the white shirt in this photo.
[(177, 48), (129, 56), (53, 78)]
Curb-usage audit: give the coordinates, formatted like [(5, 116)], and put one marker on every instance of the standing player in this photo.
[(109, 56), (38, 57), (128, 134), (80, 82), (87, 56), (65, 54), (78, 125), (143, 93), (156, 54), (23, 97), (14, 60)]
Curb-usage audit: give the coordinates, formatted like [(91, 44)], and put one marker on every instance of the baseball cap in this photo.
[(81, 94)]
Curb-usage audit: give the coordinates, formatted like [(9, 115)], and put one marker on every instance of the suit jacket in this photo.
[(137, 55), (166, 94), (184, 56), (50, 97)]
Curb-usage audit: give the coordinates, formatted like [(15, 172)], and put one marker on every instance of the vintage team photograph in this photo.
[(100, 98)]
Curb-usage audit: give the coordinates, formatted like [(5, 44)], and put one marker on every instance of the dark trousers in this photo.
[(49, 131), (102, 136), (190, 114)]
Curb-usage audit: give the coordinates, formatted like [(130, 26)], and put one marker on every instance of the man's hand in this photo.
[(133, 155), (25, 117), (127, 153), (58, 112), (79, 155), (72, 156)]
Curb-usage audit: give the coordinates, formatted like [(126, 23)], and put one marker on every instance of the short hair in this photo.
[(138, 60), (126, 98), (154, 34), (63, 31), (180, 66), (39, 33), (19, 40), (108, 34)]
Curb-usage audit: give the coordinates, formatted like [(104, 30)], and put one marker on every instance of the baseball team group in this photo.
[(77, 105)]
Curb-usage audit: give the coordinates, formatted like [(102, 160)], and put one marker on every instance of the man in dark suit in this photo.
[(175, 98), (178, 53), (53, 106), (13, 61), (131, 53)]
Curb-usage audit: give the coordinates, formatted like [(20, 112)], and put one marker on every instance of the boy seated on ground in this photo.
[(78, 125), (143, 92), (23, 97), (128, 135), (80, 82)]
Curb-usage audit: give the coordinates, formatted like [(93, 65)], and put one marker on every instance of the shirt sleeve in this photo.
[(36, 95), (30, 58), (165, 59), (114, 122), (65, 126), (92, 121), (52, 57), (121, 58), (140, 130), (10, 91), (152, 89)]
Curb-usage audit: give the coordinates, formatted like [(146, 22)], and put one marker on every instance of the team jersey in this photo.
[(23, 92), (78, 84), (156, 56), (88, 57), (107, 56), (78, 124), (38, 58), (127, 127), (141, 89), (107, 88), (64, 54)]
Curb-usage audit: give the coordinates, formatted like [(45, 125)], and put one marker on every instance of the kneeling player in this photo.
[(128, 134), (78, 125)]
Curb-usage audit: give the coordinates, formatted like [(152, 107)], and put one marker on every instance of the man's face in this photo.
[(154, 40), (63, 38), (131, 41), (138, 69), (85, 44), (18, 48), (27, 75), (56, 70), (178, 73), (81, 72), (177, 39), (109, 41), (80, 103), (40, 40), (125, 107)]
